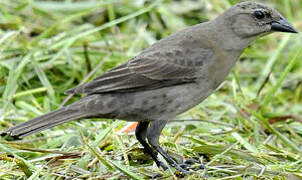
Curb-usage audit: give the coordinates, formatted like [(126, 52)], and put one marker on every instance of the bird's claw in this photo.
[(180, 170), (191, 164), (191, 161)]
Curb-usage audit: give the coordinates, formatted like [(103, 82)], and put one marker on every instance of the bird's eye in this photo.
[(259, 14)]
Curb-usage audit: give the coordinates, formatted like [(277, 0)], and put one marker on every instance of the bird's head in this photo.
[(251, 19)]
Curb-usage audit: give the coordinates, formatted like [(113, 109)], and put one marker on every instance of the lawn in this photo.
[(251, 128)]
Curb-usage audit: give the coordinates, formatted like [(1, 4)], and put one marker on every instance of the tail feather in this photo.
[(45, 121)]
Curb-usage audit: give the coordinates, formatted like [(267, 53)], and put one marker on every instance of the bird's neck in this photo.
[(226, 38)]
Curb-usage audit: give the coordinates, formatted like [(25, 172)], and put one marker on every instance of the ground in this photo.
[(250, 128)]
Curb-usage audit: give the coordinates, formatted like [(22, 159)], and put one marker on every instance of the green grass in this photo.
[(250, 128)]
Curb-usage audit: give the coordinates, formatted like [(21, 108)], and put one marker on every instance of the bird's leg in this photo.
[(141, 136), (153, 133)]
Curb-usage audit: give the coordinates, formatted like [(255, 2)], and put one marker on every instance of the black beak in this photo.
[(283, 26)]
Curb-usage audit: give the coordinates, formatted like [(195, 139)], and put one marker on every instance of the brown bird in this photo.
[(168, 78)]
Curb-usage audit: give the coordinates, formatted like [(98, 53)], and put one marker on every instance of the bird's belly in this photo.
[(160, 104)]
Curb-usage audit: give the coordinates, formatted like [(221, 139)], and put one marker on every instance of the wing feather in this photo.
[(140, 74)]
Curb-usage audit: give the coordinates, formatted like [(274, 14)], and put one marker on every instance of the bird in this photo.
[(168, 78)]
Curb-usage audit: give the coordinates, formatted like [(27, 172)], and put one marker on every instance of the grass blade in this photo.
[(125, 171), (268, 98)]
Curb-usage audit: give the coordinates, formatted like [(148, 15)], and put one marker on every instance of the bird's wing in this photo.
[(142, 74)]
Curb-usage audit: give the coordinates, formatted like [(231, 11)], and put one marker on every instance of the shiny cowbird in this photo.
[(168, 78)]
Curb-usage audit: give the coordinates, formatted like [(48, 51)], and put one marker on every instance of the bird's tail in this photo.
[(46, 121)]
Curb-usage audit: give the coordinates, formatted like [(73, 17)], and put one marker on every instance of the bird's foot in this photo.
[(179, 167), (182, 171), (192, 164), (188, 167)]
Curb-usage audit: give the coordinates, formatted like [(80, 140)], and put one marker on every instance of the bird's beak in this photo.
[(283, 26)]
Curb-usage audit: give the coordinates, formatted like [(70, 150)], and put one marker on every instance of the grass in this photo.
[(250, 128)]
